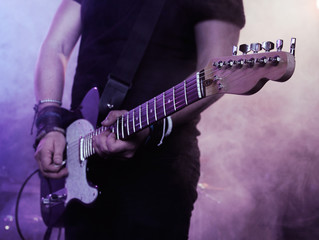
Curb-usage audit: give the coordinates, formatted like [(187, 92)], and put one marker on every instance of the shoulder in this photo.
[(224, 10)]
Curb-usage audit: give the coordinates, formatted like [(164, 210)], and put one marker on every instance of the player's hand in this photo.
[(49, 155), (106, 144)]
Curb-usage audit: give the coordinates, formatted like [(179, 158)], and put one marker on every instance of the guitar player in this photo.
[(148, 181)]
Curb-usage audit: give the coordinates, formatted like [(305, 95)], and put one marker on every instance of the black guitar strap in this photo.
[(120, 79)]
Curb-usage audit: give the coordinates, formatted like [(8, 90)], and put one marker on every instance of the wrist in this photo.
[(53, 118)]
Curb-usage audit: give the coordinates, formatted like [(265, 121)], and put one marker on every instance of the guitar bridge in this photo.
[(55, 198)]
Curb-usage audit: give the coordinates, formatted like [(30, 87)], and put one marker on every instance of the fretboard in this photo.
[(153, 110)]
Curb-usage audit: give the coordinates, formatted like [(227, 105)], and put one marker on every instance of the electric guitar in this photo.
[(238, 74)]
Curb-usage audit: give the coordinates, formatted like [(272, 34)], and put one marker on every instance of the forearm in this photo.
[(49, 75), (56, 50), (214, 39)]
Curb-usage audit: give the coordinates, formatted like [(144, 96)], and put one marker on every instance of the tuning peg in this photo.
[(244, 48), (279, 44), (255, 47), (293, 46), (235, 48), (268, 46)]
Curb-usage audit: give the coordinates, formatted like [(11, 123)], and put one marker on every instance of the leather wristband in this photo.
[(53, 118)]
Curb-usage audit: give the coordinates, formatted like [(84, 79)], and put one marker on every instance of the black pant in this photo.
[(139, 201)]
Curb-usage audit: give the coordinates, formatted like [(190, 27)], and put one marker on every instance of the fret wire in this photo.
[(133, 122), (128, 123), (147, 119), (174, 100), (185, 92), (198, 85), (155, 114), (140, 116), (122, 123), (164, 103)]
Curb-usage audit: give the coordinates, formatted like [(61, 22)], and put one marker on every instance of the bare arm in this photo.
[(214, 39), (49, 81), (56, 50)]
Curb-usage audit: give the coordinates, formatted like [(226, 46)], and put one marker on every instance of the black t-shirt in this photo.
[(170, 57), (168, 60)]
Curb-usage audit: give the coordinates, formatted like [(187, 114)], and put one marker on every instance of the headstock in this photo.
[(246, 74)]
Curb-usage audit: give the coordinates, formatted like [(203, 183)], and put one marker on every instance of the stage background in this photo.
[(259, 153)]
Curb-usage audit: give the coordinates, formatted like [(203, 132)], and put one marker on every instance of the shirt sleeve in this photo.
[(225, 10)]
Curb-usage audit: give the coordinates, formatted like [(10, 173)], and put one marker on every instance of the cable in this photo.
[(17, 204)]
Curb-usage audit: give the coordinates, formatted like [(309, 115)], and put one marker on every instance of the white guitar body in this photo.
[(76, 184), (57, 193)]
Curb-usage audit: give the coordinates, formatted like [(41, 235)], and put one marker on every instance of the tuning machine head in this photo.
[(235, 49), (279, 45), (255, 47), (268, 46), (293, 46), (244, 48)]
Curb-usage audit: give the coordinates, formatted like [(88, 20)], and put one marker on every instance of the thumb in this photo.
[(59, 147)]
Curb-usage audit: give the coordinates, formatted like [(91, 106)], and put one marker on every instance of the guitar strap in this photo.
[(120, 79)]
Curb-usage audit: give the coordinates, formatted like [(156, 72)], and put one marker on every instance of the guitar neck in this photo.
[(153, 110), (157, 108), (243, 75)]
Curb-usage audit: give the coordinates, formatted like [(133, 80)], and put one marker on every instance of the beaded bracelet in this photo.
[(50, 101)]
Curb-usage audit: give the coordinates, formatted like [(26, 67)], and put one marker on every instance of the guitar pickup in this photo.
[(54, 198)]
